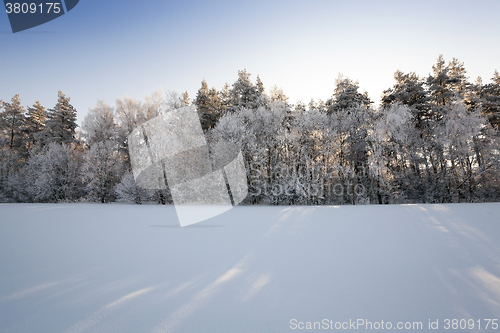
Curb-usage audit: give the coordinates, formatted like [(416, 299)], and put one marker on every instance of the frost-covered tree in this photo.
[(129, 114), (313, 164), (428, 142), (392, 149), (53, 175), (13, 150), (103, 162), (101, 171), (353, 126), (299, 107), (277, 95), (174, 100), (259, 132), (99, 124), (457, 134), (225, 97), (155, 104), (259, 85), (128, 191)]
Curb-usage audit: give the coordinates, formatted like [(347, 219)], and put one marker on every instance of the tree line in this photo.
[(433, 139)]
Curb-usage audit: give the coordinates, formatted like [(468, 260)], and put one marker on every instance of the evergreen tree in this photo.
[(277, 95), (490, 100), (259, 86), (243, 93), (12, 150), (61, 122), (300, 107), (185, 98), (408, 90), (458, 81), (225, 98), (311, 105), (321, 105), (13, 122), (472, 98), (35, 122), (346, 96), (208, 104), (496, 77), (442, 88)]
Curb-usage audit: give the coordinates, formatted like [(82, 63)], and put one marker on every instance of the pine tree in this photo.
[(311, 105), (346, 96), (259, 86), (61, 122), (321, 105), (472, 99), (225, 98), (490, 100), (441, 88), (408, 90), (277, 95), (209, 106), (185, 98), (202, 105), (13, 122), (243, 93), (35, 122), (458, 81), (496, 77), (300, 107)]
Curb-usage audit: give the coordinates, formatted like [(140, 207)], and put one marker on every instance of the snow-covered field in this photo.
[(128, 268)]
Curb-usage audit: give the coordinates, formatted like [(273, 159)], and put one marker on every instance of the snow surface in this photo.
[(127, 268)]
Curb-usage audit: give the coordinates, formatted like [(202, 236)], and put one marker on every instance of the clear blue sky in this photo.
[(108, 49)]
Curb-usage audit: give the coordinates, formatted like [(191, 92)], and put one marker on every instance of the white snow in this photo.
[(127, 268)]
